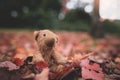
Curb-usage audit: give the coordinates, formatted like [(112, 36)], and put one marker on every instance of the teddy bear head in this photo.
[(45, 39)]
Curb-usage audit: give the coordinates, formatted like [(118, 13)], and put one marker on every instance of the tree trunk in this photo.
[(97, 26)]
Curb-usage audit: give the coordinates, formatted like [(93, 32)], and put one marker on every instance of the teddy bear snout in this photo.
[(50, 42)]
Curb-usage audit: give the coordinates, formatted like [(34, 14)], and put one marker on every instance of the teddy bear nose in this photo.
[(50, 42)]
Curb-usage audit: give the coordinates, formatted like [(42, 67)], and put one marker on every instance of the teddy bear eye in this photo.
[(44, 35)]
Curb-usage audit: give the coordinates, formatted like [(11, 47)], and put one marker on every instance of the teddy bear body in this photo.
[(46, 41)]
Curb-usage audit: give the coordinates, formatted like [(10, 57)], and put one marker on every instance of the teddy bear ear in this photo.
[(36, 33)]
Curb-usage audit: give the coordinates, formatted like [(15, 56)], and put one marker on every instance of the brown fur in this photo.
[(46, 41)]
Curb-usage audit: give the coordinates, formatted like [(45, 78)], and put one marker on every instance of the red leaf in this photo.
[(41, 65), (18, 61), (91, 70), (91, 74), (53, 75)]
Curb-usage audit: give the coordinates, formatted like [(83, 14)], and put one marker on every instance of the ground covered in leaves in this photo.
[(91, 59)]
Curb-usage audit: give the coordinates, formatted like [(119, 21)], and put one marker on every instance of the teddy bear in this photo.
[(46, 41)]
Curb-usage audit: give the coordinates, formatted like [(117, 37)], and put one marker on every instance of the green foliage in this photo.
[(27, 12), (112, 27), (77, 16), (76, 26), (76, 20)]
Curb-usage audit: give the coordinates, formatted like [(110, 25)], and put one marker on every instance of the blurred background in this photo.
[(73, 15)]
